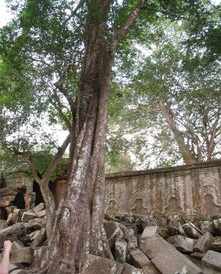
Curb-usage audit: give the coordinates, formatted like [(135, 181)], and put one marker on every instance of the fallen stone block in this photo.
[(129, 269), (192, 231), (217, 226), (149, 231), (41, 214), (38, 238), (213, 259), (120, 250), (38, 208), (131, 239), (206, 226), (197, 255), (150, 269), (3, 224), (7, 196), (14, 269), (165, 256), (174, 227), (182, 243), (216, 244), (113, 232), (203, 243), (13, 216), (22, 255), (28, 215), (138, 258)]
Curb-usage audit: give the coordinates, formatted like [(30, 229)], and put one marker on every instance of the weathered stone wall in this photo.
[(190, 190)]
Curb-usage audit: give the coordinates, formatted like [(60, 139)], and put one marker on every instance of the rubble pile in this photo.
[(139, 244)]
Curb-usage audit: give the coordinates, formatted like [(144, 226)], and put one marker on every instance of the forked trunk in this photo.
[(78, 228)]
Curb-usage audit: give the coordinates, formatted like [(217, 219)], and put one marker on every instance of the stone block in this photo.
[(174, 227), (22, 255), (206, 226), (113, 231), (27, 216), (165, 256), (192, 231), (131, 239), (150, 269), (217, 226), (213, 259), (149, 231), (182, 243), (216, 244), (203, 243), (138, 258), (129, 269), (120, 250)]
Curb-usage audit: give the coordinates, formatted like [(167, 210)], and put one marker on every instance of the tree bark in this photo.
[(187, 156), (78, 226)]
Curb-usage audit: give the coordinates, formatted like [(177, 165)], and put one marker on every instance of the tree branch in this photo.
[(73, 13), (56, 159), (60, 86), (58, 105), (34, 169), (120, 33)]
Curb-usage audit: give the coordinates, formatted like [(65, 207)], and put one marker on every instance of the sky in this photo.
[(5, 15)]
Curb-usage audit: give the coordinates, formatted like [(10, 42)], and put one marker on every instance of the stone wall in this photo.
[(190, 190)]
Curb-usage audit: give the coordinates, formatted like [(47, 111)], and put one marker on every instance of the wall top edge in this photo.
[(206, 164)]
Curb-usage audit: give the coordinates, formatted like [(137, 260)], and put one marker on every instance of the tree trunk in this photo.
[(78, 228), (187, 156)]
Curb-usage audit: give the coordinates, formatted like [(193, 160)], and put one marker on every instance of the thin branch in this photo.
[(34, 169), (60, 86), (58, 106), (123, 30), (73, 13), (56, 159)]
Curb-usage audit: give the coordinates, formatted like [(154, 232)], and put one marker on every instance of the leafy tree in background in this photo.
[(167, 99)]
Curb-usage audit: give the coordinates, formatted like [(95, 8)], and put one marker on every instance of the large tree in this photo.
[(169, 97), (77, 227)]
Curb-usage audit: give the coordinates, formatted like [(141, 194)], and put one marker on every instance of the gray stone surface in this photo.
[(129, 269), (182, 243), (138, 258), (150, 269), (213, 258), (149, 231), (216, 244), (113, 232), (121, 250), (177, 190), (192, 231), (165, 256), (206, 226), (203, 243), (132, 239), (174, 226), (217, 226)]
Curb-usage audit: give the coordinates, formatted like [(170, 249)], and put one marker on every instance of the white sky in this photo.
[(5, 15)]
